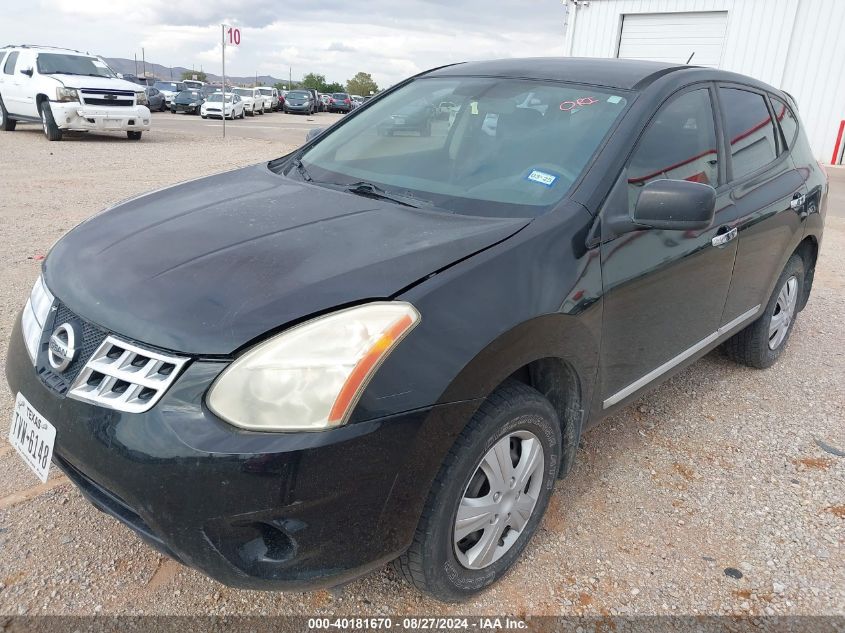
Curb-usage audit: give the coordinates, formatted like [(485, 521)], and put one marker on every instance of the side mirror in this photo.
[(675, 205), (27, 72), (313, 133)]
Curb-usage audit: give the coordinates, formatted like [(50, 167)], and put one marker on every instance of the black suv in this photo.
[(383, 347)]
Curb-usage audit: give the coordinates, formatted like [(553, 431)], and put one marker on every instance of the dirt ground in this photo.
[(721, 467)]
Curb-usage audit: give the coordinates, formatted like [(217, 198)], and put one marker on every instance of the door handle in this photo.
[(798, 201), (723, 238)]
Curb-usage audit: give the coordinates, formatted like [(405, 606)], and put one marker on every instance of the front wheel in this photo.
[(761, 343), (51, 130), (133, 136), (489, 496)]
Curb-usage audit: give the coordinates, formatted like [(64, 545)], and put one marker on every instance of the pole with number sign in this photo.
[(234, 35)]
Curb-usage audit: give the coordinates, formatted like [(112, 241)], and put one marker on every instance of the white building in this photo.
[(795, 45)]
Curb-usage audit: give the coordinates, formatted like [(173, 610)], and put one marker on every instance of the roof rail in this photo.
[(57, 48)]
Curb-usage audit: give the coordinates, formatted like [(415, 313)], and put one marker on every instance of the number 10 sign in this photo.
[(229, 36)]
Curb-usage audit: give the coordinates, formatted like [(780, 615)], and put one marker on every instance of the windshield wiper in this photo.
[(370, 190), (301, 169)]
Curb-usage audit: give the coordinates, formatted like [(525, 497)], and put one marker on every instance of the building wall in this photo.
[(796, 45)]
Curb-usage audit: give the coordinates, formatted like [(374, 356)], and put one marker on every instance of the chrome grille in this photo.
[(123, 376), (109, 98)]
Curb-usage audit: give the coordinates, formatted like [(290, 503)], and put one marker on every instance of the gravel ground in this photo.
[(718, 468)]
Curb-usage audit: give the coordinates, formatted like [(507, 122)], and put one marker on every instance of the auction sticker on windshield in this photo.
[(541, 177), (32, 436)]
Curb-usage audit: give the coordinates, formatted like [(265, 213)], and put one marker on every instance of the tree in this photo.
[(315, 81), (361, 84), (189, 74), (334, 87)]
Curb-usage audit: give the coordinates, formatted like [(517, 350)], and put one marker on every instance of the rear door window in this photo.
[(750, 130), (679, 144), (787, 121)]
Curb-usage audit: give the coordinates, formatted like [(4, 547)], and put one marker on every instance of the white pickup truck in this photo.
[(67, 90)]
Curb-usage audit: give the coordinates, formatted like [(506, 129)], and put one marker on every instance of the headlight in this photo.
[(311, 377), (67, 94), (34, 316), (141, 98)]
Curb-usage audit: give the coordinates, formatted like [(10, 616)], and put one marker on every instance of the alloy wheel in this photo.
[(499, 500), (784, 312)]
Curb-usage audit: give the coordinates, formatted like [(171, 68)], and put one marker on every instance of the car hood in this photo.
[(209, 265), (100, 83)]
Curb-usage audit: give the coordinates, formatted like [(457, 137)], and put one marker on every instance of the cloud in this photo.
[(334, 38), (341, 48)]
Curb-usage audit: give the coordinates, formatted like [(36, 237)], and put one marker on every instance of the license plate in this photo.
[(32, 436), (113, 124)]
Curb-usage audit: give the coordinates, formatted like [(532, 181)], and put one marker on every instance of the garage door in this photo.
[(673, 37)]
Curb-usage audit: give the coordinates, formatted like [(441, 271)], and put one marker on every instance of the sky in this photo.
[(390, 39)]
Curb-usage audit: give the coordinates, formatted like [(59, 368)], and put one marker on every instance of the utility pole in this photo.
[(136, 64), (144, 62), (290, 78), (223, 88)]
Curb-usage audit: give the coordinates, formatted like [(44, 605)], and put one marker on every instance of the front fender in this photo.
[(535, 295)]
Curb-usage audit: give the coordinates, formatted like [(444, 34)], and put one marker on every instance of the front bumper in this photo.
[(298, 108), (183, 107), (253, 510), (76, 117)]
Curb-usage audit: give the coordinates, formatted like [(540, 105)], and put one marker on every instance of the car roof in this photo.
[(47, 49), (615, 73)]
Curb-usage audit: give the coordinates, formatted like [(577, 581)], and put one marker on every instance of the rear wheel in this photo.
[(133, 136), (48, 123), (6, 124), (761, 343), (489, 496)]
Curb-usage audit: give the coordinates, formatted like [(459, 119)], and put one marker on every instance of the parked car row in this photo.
[(68, 90)]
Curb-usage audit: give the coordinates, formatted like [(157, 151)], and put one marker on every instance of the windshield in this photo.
[(170, 86), (503, 147), (266, 91), (61, 64), (219, 97), (244, 92), (340, 95), (298, 94), (189, 94)]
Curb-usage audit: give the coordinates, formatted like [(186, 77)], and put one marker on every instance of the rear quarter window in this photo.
[(787, 121)]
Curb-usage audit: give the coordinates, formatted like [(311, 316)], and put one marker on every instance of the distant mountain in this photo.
[(127, 67)]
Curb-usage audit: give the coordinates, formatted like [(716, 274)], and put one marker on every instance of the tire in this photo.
[(453, 571), (133, 136), (6, 124), (204, 116), (48, 123), (761, 343), (163, 107), (250, 113)]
